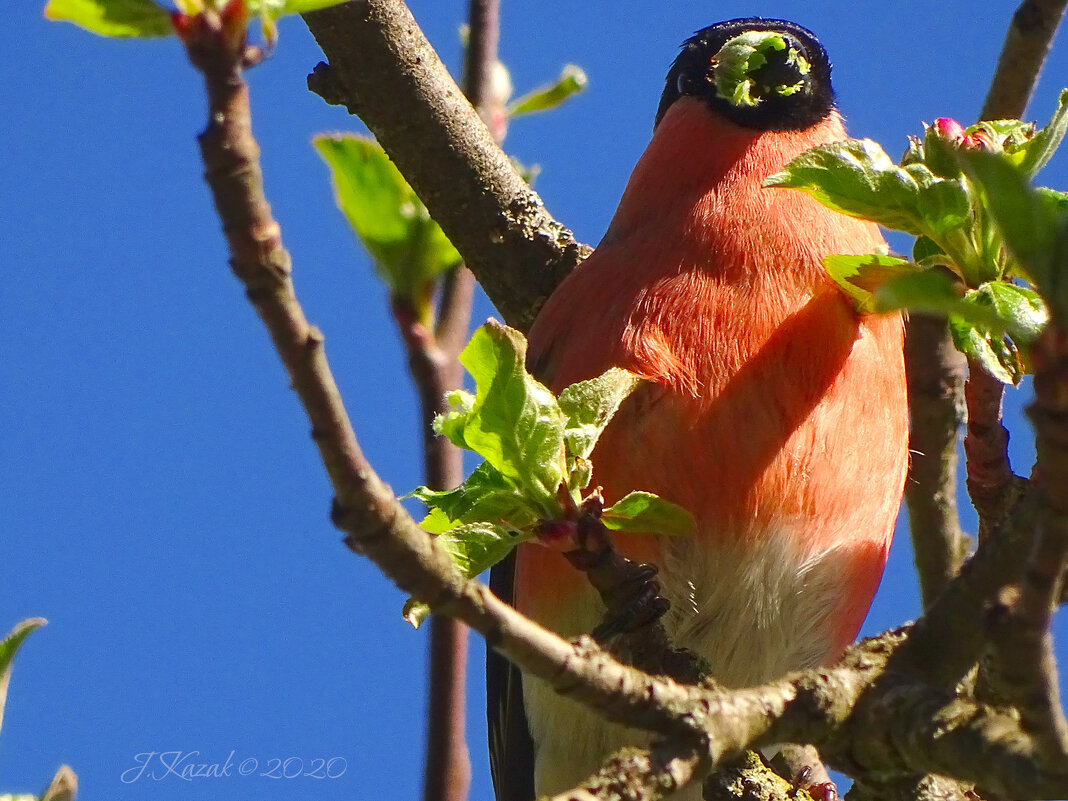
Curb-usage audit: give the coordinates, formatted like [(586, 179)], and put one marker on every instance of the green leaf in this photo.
[(589, 406), (479, 546), (451, 424), (1057, 201), (474, 548), (572, 80), (1020, 311), (925, 249), (932, 290), (1041, 147), (1031, 223), (528, 172), (860, 276), (8, 647), (485, 495), (943, 206), (995, 352), (408, 248), (142, 19), (514, 423), (991, 323), (415, 612), (935, 290), (304, 6), (857, 178), (645, 512), (269, 11)]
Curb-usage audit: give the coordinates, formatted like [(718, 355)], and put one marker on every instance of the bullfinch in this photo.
[(772, 410)]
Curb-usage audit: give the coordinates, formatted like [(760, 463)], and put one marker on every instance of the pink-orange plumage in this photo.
[(775, 413)]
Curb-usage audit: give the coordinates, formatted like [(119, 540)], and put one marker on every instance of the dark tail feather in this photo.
[(510, 747)]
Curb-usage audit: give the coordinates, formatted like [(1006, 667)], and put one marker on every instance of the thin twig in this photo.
[(986, 446), (447, 769), (433, 361), (935, 372), (1021, 639)]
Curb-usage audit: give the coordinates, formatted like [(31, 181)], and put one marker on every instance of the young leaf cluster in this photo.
[(970, 254), (537, 451)]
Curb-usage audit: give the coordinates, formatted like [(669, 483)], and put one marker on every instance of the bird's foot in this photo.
[(633, 601)]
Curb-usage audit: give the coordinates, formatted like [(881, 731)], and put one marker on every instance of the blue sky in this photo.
[(163, 505)]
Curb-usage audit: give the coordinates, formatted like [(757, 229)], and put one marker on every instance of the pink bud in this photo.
[(948, 128), (980, 140)]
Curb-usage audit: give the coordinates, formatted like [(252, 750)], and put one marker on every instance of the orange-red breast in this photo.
[(775, 412)]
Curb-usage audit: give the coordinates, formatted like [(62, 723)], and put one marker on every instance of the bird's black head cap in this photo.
[(767, 74)]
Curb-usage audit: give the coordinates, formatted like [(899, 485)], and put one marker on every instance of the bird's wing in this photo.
[(511, 749)]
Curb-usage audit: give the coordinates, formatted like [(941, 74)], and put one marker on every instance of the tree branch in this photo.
[(641, 774), (432, 358), (935, 372), (1026, 46), (986, 445), (383, 69)]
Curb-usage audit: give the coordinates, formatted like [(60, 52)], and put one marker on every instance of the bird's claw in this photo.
[(634, 603)]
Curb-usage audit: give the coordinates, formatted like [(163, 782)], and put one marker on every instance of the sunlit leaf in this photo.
[(571, 81), (1044, 144), (589, 406), (1019, 310), (9, 646), (408, 248), (536, 447), (996, 353), (926, 290), (304, 6), (857, 178), (515, 422), (485, 495), (860, 276), (415, 612), (479, 546), (643, 511), (451, 424), (473, 548), (1032, 223), (114, 18)]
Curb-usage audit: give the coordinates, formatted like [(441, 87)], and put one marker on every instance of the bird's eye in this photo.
[(684, 84)]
